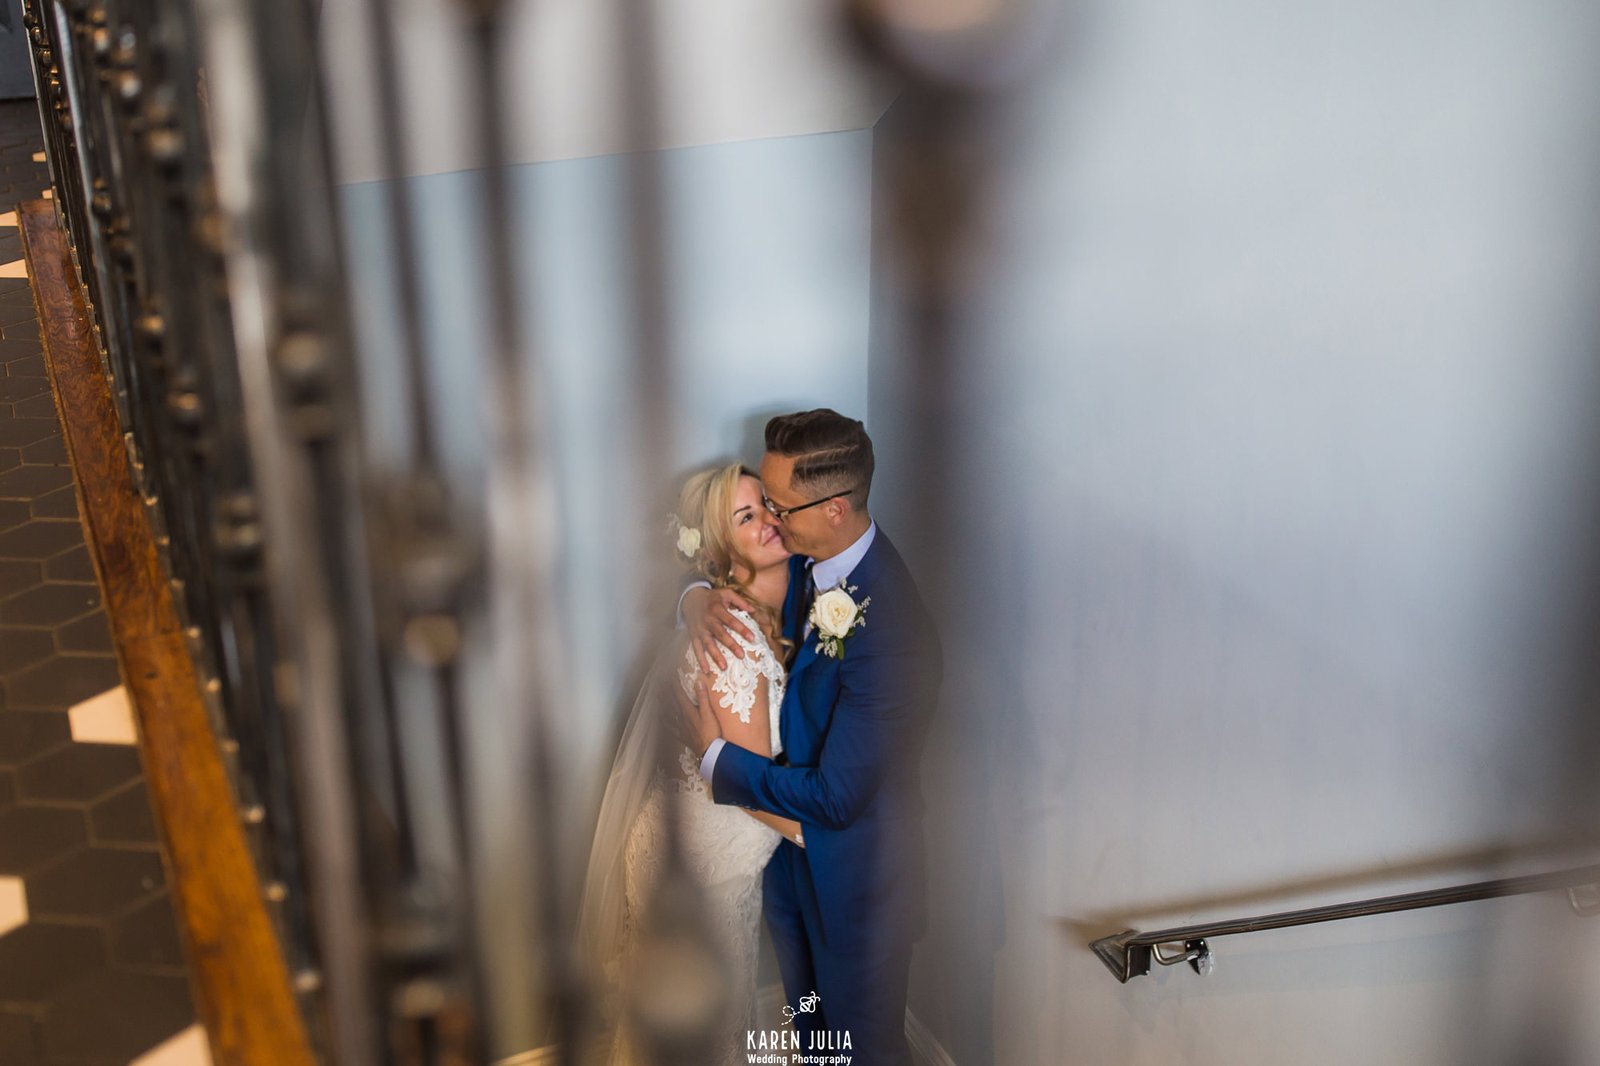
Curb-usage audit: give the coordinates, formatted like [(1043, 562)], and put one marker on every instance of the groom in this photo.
[(845, 909)]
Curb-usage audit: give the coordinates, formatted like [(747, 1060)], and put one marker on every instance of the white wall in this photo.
[(1276, 520), (730, 71)]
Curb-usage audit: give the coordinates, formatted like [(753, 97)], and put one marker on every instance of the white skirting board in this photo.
[(925, 1047)]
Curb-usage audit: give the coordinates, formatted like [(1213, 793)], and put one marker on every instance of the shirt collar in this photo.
[(830, 573)]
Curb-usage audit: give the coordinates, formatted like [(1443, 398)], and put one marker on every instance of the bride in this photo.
[(725, 535)]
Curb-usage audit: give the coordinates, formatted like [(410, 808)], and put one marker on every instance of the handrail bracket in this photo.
[(1124, 959), (1585, 899)]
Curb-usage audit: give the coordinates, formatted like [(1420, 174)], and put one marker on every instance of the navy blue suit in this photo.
[(845, 910)]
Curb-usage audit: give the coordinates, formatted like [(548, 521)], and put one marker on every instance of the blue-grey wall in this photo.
[(770, 251)]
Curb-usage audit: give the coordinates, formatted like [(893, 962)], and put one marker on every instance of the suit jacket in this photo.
[(853, 731)]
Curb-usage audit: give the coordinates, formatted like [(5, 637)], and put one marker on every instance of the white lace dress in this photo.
[(724, 847)]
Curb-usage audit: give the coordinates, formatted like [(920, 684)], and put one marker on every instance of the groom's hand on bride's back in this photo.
[(707, 619), (697, 721)]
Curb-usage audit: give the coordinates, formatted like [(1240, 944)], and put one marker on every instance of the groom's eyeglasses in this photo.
[(782, 513)]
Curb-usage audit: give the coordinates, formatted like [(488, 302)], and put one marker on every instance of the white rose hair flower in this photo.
[(688, 537), (688, 541)]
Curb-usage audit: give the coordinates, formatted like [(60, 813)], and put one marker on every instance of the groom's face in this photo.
[(804, 531)]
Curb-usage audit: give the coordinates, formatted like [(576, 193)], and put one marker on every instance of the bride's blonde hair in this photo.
[(706, 506)]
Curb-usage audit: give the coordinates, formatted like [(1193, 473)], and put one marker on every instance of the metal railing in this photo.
[(325, 594), (122, 93), (1129, 954)]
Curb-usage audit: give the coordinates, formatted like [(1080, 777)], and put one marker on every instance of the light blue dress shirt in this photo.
[(826, 574)]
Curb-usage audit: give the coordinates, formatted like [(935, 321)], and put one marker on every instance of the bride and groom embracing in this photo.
[(803, 698)]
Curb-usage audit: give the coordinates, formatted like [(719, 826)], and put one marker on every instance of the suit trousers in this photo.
[(862, 986)]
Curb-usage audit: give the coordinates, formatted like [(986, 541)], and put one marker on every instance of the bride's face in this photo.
[(755, 531)]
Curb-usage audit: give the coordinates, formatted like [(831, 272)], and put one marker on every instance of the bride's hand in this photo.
[(707, 619)]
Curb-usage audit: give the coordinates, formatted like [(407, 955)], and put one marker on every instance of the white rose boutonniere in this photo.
[(836, 615)]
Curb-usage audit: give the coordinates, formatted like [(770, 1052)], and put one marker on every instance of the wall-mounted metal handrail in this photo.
[(1128, 954)]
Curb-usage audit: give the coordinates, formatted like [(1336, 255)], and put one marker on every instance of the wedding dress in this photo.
[(723, 848)]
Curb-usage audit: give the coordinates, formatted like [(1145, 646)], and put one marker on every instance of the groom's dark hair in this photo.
[(831, 453)]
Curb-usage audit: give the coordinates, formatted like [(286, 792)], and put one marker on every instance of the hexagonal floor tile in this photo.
[(35, 407), (21, 648), (13, 904), (8, 791), (32, 365), (9, 457), (18, 574), (20, 348), (31, 482), (19, 1043), (106, 718), (62, 680), (78, 773), (31, 837), (39, 958), (26, 735), (40, 538), (91, 633), (51, 451), (12, 301), (74, 565), (16, 432), (188, 1048), (124, 818), (49, 604), (12, 512), (148, 935), (13, 389), (95, 882), (62, 503), (116, 1015)]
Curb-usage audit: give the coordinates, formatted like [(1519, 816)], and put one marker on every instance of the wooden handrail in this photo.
[(237, 969)]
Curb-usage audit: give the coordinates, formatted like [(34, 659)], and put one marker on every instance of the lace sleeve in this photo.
[(736, 685)]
